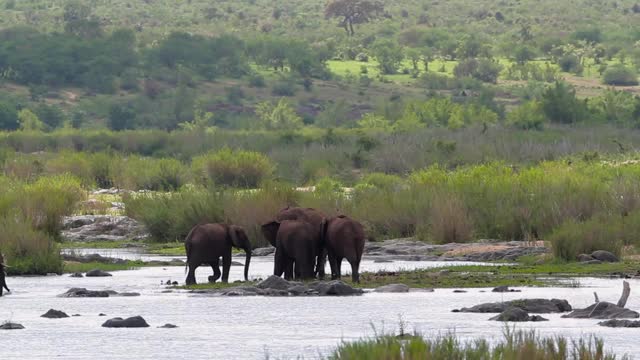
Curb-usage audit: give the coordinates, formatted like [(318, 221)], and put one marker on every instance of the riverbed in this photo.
[(262, 327)]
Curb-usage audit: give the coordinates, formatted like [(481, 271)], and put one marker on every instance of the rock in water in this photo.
[(11, 326), (392, 288), (54, 314), (263, 251), (538, 306), (132, 322), (76, 275), (335, 288), (503, 289), (168, 326), (274, 282), (82, 292), (603, 310), (604, 256), (516, 314), (620, 323), (97, 273)]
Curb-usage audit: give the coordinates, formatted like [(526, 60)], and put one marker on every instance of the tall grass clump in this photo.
[(516, 345), (240, 168), (139, 173), (30, 221), (170, 216)]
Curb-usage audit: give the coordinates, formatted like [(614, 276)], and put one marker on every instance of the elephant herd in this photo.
[(303, 238)]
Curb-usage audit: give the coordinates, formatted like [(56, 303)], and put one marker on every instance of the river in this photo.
[(261, 327)]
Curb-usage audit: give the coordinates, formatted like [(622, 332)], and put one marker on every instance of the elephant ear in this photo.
[(232, 235), (270, 231)]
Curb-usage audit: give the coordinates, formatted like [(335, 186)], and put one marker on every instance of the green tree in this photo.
[(389, 55), (8, 116), (121, 117), (373, 121), (352, 12), (279, 116), (29, 121), (560, 104), (51, 115)]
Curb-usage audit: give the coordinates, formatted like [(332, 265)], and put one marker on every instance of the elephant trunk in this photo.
[(247, 251)]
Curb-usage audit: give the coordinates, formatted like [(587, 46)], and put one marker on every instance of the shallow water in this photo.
[(257, 327)]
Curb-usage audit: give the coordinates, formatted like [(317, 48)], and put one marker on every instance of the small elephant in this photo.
[(297, 246), (206, 243), (344, 239), (312, 216)]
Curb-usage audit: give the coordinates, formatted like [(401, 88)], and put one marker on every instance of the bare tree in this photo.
[(353, 12)]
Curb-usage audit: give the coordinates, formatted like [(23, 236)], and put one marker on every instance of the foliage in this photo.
[(620, 75), (226, 167), (560, 105), (389, 55), (353, 12), (528, 116), (279, 116), (514, 346)]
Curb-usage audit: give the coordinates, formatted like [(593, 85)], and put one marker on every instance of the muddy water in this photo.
[(258, 327)]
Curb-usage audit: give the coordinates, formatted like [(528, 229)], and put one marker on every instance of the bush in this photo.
[(245, 169), (573, 238), (27, 250), (257, 81), (620, 75), (285, 87), (169, 217), (485, 70), (139, 173), (570, 63), (528, 116)]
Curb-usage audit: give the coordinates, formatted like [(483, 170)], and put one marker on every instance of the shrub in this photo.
[(246, 169), (449, 221), (27, 250), (573, 238), (528, 116), (139, 173), (570, 63), (485, 70), (169, 217), (257, 81), (620, 75), (284, 87)]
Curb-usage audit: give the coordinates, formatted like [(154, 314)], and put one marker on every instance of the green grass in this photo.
[(170, 249), (84, 267), (515, 345)]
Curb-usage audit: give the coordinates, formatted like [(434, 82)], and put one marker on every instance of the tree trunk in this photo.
[(626, 290)]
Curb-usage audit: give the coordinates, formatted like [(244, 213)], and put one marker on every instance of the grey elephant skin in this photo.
[(297, 244), (344, 239), (206, 243)]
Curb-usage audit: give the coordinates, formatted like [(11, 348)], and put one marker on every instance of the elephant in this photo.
[(315, 218), (344, 239), (297, 246), (3, 274), (206, 243)]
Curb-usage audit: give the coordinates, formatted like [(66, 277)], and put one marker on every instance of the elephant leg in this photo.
[(322, 260), (191, 276), (226, 266), (288, 269), (279, 264), (338, 273), (216, 271), (334, 265), (355, 268)]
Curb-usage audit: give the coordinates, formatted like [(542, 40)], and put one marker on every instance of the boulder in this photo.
[(620, 323), (298, 290), (584, 258), (101, 314), (265, 251), (168, 326), (503, 289), (97, 273), (335, 288), (92, 258), (11, 326), (538, 306), (102, 228), (459, 291), (132, 322), (604, 256), (603, 310), (516, 314), (54, 314), (236, 263), (274, 282), (76, 275), (82, 292), (240, 291), (392, 288), (127, 294)]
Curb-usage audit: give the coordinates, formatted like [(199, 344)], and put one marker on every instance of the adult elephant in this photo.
[(206, 243), (297, 245), (315, 218), (344, 239)]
